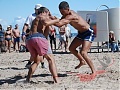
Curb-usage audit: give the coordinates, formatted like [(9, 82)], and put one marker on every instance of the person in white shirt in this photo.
[(29, 20), (68, 34), (26, 26)]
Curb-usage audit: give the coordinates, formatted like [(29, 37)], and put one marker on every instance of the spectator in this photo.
[(8, 38), (62, 38), (2, 38), (2, 32), (68, 34), (52, 36), (112, 42), (16, 36)]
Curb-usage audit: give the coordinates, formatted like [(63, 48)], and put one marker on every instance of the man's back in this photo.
[(37, 26), (41, 24)]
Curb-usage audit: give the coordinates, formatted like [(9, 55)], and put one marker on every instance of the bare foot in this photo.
[(93, 75), (56, 79), (81, 63)]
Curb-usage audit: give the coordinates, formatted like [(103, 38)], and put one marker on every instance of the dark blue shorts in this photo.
[(8, 39), (87, 35), (17, 39)]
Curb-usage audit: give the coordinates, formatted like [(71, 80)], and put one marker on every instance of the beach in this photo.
[(13, 72)]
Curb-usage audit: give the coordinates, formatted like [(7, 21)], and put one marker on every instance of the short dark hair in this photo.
[(42, 9), (63, 5)]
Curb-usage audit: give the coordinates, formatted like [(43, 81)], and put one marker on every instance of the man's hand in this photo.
[(53, 17)]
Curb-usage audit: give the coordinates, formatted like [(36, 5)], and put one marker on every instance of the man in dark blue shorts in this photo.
[(85, 35)]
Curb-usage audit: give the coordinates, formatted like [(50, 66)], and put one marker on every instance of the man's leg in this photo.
[(14, 45), (31, 61), (18, 45), (51, 43), (52, 67), (84, 52), (54, 40), (66, 41), (65, 45), (75, 43), (33, 67)]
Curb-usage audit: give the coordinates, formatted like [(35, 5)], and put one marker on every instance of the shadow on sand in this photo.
[(12, 80)]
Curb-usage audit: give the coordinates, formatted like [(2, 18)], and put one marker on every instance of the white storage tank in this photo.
[(114, 21)]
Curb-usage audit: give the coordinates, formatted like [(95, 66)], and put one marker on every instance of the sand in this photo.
[(13, 72)]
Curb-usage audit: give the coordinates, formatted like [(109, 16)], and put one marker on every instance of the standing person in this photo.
[(27, 25), (62, 37), (2, 38), (68, 33), (37, 42), (12, 39), (8, 38), (85, 35), (112, 42), (16, 36), (52, 36), (2, 35)]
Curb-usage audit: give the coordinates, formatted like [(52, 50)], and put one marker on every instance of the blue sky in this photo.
[(16, 11)]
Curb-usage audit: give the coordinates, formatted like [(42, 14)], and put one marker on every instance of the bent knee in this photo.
[(83, 53), (36, 60), (48, 57)]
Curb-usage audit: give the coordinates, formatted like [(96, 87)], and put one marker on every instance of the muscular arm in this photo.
[(25, 27), (48, 21), (65, 20)]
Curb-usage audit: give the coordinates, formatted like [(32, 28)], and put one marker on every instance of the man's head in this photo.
[(44, 10), (64, 8), (37, 7), (10, 26), (16, 26)]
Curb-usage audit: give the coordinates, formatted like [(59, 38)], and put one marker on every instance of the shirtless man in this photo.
[(26, 26), (16, 36), (38, 44), (85, 34)]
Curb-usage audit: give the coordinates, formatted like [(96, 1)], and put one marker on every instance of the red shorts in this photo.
[(37, 46)]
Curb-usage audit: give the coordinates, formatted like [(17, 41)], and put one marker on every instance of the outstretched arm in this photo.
[(65, 20), (49, 21)]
